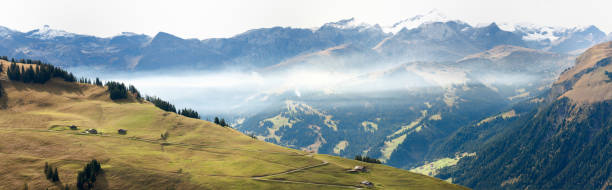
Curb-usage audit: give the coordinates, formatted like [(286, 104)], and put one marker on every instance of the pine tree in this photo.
[(55, 175), (28, 75), (222, 123), (22, 73), (49, 172), (98, 82), (217, 121), (46, 169)]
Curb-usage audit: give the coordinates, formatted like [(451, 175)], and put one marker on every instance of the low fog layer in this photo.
[(231, 92)]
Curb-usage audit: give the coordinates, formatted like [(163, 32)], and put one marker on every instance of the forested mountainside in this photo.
[(563, 144)]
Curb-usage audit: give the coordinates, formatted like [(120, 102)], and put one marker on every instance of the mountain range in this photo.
[(428, 37)]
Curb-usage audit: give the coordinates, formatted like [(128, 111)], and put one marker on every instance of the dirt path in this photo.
[(261, 178), (293, 170)]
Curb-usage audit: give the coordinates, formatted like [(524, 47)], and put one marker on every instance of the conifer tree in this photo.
[(47, 169), (222, 123), (98, 82), (55, 176)]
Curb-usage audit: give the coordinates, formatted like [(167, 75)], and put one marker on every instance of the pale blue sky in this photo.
[(205, 19)]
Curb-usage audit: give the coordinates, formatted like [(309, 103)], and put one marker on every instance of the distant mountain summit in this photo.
[(418, 20), (46, 33)]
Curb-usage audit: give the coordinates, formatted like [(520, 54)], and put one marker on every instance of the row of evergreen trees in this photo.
[(187, 112), (96, 82), (118, 90), (87, 177), (84, 80), (161, 104), (221, 122), (50, 173), (37, 73), (26, 61), (167, 106), (367, 159)]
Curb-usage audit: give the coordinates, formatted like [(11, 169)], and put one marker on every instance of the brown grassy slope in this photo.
[(586, 82), (197, 155)]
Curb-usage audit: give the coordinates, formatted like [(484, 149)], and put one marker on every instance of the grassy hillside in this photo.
[(34, 129)]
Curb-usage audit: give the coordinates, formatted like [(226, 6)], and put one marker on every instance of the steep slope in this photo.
[(562, 145), (34, 130)]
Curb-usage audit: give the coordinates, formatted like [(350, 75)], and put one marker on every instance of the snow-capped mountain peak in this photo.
[(416, 21), (351, 23), (533, 32), (6, 32), (47, 33)]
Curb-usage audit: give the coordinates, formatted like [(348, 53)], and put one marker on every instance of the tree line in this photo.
[(161, 104), (221, 122), (167, 106), (37, 73), (367, 159), (187, 112)]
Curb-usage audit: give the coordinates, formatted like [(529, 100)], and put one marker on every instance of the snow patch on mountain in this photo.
[(46, 33), (414, 22), (351, 23), (532, 32), (6, 32)]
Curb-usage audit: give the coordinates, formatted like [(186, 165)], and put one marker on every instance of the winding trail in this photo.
[(261, 178)]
